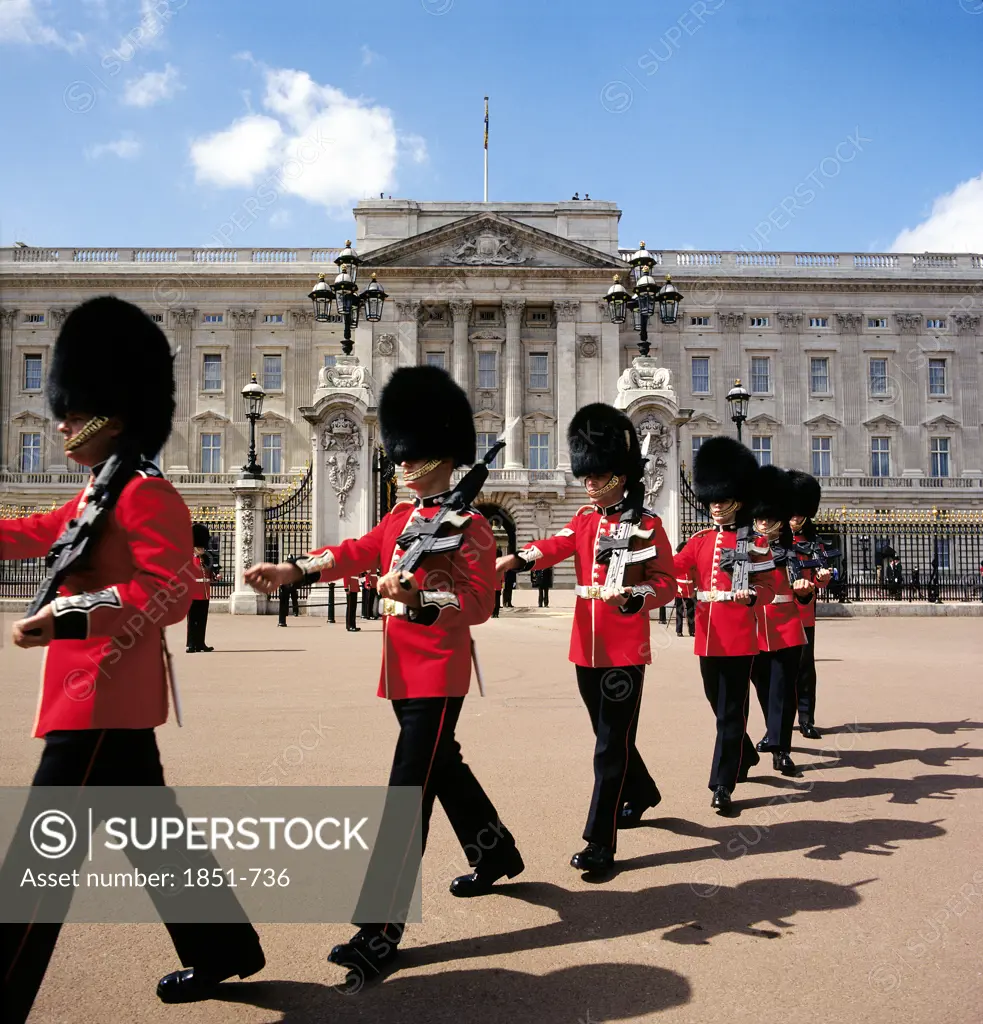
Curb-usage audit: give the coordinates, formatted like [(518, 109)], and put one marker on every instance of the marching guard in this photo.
[(427, 650), (806, 495), (201, 590), (623, 562), (731, 571), (105, 679), (781, 635)]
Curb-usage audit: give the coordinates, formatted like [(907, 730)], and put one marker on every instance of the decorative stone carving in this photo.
[(8, 317), (486, 400), (342, 440), (346, 373), (184, 317), (385, 344), (645, 374), (660, 442), (302, 317), (487, 336), (490, 246), (850, 321), (542, 516), (247, 522), (588, 346), (513, 308), (603, 310), (567, 310), (790, 321), (731, 321), (461, 309), (908, 323), (407, 309), (58, 317), (242, 319), (967, 324)]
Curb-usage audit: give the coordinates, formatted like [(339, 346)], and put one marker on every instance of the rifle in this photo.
[(71, 550), (423, 537), (818, 556), (739, 563), (615, 548)]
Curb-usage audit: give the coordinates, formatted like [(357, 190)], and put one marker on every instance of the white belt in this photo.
[(715, 595), (199, 581), (592, 593), (782, 599), (391, 607)]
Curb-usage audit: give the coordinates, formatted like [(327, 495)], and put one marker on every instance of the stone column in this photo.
[(969, 396), (610, 352), (461, 359), (853, 384), (250, 499), (8, 456), (242, 354), (512, 371), (567, 311), (304, 376), (179, 446), (407, 312), (798, 454), (731, 325), (914, 391)]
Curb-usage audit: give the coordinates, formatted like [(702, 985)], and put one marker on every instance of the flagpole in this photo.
[(486, 149)]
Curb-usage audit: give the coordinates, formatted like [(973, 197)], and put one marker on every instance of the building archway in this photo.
[(502, 524)]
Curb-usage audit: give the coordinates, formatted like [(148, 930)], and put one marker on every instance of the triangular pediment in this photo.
[(764, 419), (210, 415), (489, 240), (703, 419), (823, 422), (882, 422), (941, 423)]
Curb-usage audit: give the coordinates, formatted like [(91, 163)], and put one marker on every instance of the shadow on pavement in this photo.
[(933, 757), (901, 791), (588, 994), (941, 728)]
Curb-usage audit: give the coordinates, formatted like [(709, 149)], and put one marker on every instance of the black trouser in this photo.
[(690, 604), (507, 595), (726, 682), (774, 674), (113, 757), (544, 597), (498, 604), (351, 609), (427, 755), (806, 681), (613, 697), (288, 596), (197, 621), (366, 607)]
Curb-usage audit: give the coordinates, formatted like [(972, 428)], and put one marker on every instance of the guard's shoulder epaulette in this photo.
[(699, 533), (650, 512), (147, 468), (586, 510)]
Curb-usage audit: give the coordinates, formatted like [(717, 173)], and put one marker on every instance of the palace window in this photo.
[(822, 456), (487, 370), (760, 374), (935, 325), (761, 446), (940, 456), (435, 315), (486, 440), (330, 361), (211, 453), (272, 457), (273, 318), (540, 317), (819, 321), (759, 321), (487, 315), (877, 321), (211, 373), (819, 375), (213, 318), (699, 321), (880, 456), (936, 377), (539, 451), (273, 373), (436, 359), (698, 440), (878, 377), (30, 453), (32, 373), (158, 318), (701, 375), (34, 318), (539, 371)]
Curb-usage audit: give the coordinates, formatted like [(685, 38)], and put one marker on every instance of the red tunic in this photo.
[(723, 628), (605, 635), (201, 584), (105, 667), (425, 652), (779, 621), (807, 612)]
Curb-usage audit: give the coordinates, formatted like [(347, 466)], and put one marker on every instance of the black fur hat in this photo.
[(200, 534), (603, 440), (111, 359), (724, 469), (773, 494), (424, 414), (806, 493)]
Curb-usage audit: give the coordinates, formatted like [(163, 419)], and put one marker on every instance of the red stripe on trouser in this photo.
[(30, 924), (617, 804), (740, 756), (426, 782)]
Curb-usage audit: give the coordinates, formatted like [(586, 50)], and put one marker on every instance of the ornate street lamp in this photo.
[(253, 396), (343, 292), (738, 396), (647, 295)]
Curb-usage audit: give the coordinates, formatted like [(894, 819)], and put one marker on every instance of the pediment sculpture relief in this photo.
[(498, 246)]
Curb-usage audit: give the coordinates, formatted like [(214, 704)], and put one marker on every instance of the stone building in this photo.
[(863, 368)]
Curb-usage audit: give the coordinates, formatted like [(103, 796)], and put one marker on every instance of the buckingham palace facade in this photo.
[(863, 368)]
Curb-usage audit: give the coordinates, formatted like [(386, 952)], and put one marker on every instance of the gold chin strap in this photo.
[(726, 515), (86, 433), (609, 486), (427, 467)]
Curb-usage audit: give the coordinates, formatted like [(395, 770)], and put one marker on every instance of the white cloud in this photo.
[(319, 144), (954, 225), (152, 87), (280, 218), (21, 23), (369, 56), (126, 148)]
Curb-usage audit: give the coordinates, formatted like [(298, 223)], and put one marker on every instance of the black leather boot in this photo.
[(781, 762), (721, 800), (193, 984), (594, 859), (481, 880), (366, 953), (762, 744), (810, 732), (632, 810)]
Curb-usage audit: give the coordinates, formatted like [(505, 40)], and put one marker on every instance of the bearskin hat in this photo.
[(772, 494), (200, 534), (111, 359), (424, 414), (724, 469), (603, 440), (806, 493)]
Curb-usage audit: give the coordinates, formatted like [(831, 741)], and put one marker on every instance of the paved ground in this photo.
[(854, 893)]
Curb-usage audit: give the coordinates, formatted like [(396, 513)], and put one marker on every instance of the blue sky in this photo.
[(718, 124)]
